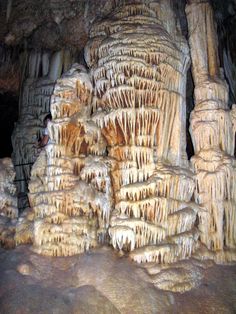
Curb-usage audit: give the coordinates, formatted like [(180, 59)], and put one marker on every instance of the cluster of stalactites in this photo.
[(96, 173), (40, 71), (139, 72), (213, 134), (47, 64), (136, 64), (159, 213), (68, 199), (34, 106)]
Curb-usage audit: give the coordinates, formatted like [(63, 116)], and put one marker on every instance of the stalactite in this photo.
[(9, 9), (45, 63), (56, 65)]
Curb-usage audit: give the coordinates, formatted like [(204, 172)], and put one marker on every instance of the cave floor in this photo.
[(102, 282)]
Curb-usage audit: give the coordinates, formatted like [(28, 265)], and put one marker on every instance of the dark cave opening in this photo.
[(189, 108), (8, 117)]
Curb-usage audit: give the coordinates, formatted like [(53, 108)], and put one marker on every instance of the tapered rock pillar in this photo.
[(213, 136), (138, 62)]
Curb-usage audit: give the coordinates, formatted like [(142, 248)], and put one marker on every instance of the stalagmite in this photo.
[(70, 191), (213, 134), (139, 64)]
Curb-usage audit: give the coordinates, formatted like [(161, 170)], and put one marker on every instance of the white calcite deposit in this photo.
[(139, 64)]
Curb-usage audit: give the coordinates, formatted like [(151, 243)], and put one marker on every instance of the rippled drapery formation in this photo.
[(139, 63)]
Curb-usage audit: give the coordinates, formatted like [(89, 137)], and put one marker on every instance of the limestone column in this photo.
[(138, 61), (213, 136)]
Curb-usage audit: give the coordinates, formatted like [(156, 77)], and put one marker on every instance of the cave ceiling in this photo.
[(55, 24)]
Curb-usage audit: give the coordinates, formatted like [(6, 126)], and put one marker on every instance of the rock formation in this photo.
[(41, 70), (8, 203), (213, 134), (69, 189), (139, 63), (115, 170)]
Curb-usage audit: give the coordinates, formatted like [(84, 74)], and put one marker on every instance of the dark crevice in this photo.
[(189, 108), (8, 117)]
